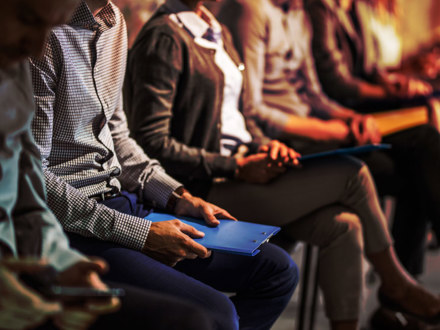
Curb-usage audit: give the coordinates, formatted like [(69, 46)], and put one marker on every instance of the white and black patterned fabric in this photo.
[(80, 128)]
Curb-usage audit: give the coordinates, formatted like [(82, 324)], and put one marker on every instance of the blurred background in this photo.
[(417, 24)]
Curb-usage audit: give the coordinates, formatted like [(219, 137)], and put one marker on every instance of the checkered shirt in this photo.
[(81, 130)]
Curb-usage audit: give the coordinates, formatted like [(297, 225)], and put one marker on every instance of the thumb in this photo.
[(92, 265)]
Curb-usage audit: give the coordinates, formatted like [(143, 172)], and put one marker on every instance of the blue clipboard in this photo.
[(237, 237), (346, 151)]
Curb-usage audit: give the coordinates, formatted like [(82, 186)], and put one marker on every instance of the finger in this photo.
[(110, 306), (92, 265), (100, 262), (223, 214), (283, 150), (293, 155), (191, 231), (264, 148), (28, 265), (208, 215), (198, 249), (274, 151)]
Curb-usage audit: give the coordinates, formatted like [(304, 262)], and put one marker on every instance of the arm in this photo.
[(32, 206), (154, 73), (76, 212), (138, 170), (250, 34)]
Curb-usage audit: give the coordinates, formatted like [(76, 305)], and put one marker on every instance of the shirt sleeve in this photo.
[(137, 167), (76, 212), (250, 33), (31, 204)]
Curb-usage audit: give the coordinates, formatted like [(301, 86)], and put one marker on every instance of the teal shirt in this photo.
[(22, 191)]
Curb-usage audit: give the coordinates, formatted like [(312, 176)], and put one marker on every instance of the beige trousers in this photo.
[(329, 203)]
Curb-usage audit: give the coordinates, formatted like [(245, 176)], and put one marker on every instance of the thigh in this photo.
[(232, 273), (144, 309), (134, 268), (292, 195)]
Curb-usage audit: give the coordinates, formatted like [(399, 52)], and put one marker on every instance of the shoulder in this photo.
[(160, 27)]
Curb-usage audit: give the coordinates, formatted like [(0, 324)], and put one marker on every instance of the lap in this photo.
[(291, 196), (142, 309)]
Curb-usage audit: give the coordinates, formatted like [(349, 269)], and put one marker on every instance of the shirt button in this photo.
[(116, 171)]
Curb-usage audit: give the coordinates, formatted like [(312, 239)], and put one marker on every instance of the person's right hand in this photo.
[(20, 306), (172, 241), (258, 168)]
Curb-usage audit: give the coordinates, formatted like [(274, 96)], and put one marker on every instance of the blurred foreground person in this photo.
[(34, 252)]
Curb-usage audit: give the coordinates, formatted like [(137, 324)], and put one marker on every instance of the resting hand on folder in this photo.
[(172, 241), (364, 130)]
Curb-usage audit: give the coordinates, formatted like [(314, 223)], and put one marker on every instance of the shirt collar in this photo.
[(191, 21), (83, 17)]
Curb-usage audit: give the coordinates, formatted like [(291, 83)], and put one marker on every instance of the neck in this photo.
[(95, 6)]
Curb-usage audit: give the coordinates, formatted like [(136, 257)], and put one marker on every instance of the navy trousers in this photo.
[(261, 286), (141, 309)]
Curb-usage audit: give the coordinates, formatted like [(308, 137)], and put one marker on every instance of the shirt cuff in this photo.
[(130, 231), (65, 259), (159, 187)]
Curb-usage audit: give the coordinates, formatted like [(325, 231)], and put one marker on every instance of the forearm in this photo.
[(82, 215), (314, 129)]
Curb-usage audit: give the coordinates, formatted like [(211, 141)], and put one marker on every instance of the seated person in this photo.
[(346, 59), (182, 92), (101, 184), (288, 101), (31, 239)]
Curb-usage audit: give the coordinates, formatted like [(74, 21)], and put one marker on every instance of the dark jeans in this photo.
[(141, 309), (262, 285), (410, 171)]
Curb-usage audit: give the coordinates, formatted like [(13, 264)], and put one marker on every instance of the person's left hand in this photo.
[(365, 129), (189, 205), (84, 274), (280, 154)]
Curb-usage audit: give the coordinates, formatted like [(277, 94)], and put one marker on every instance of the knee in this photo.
[(347, 233), (191, 318), (284, 272), (225, 316)]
